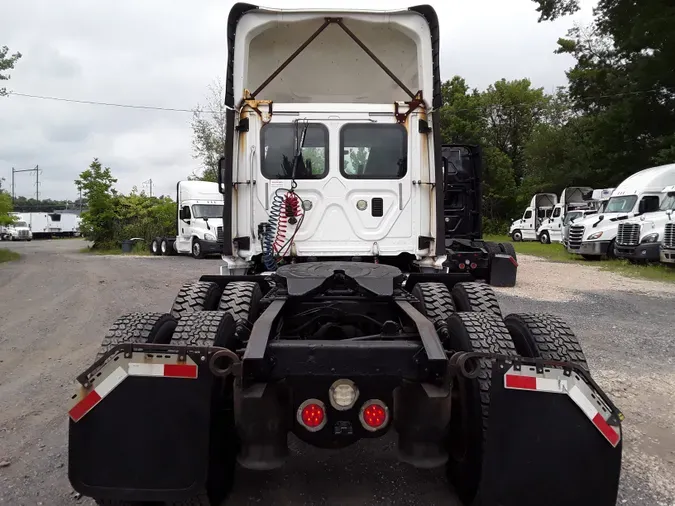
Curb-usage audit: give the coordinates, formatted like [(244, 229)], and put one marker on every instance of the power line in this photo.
[(110, 104), (208, 111)]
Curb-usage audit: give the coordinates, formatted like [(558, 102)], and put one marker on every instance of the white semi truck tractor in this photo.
[(639, 239), (199, 222)]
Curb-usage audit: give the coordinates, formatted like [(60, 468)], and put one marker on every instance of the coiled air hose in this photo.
[(285, 210)]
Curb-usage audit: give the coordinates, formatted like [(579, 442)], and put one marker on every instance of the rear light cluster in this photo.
[(343, 394), (466, 264)]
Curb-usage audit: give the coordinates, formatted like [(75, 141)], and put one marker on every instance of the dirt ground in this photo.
[(56, 303)]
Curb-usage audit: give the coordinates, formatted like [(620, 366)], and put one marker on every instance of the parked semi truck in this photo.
[(349, 324), (641, 193), (540, 209), (667, 248), (640, 238), (17, 231), (571, 198), (199, 222)]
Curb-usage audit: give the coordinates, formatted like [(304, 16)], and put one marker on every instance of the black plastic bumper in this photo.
[(591, 248), (667, 256), (648, 252), (209, 247)]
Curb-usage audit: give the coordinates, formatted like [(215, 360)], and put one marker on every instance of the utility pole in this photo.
[(35, 169)]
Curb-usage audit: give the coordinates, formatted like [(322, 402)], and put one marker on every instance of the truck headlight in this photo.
[(597, 235), (209, 237), (650, 238)]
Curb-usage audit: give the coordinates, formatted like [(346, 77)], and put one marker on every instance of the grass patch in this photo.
[(138, 249), (556, 253), (8, 256)]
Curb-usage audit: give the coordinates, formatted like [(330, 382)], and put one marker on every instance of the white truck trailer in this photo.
[(638, 194), (639, 239), (199, 222)]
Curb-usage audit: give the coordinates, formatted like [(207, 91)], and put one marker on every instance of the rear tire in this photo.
[(241, 299), (197, 296), (214, 328), (508, 249), (165, 247), (479, 332), (436, 304), (545, 336), (474, 296), (154, 246), (139, 328), (492, 248)]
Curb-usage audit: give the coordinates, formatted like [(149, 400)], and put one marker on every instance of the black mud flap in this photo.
[(503, 270), (141, 432), (544, 448)]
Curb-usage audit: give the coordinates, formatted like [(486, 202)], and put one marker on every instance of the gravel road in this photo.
[(56, 303)]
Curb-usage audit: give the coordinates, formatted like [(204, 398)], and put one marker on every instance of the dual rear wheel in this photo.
[(201, 315), (468, 318)]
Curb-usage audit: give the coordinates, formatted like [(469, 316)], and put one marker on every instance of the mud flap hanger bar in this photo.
[(415, 98), (217, 358), (466, 364)]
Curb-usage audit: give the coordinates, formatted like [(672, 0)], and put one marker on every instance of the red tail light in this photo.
[(374, 415), (462, 266), (312, 415), (473, 266)]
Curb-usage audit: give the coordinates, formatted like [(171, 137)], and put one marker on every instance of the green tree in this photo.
[(208, 132), (623, 79), (512, 110), (99, 221), (6, 208), (461, 115), (6, 63)]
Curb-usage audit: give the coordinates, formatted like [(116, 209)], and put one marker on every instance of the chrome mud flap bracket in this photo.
[(553, 438), (139, 424)]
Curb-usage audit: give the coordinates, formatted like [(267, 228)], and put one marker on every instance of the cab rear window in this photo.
[(279, 143), (373, 151)]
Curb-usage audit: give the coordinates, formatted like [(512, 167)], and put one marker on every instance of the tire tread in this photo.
[(476, 297), (195, 296)]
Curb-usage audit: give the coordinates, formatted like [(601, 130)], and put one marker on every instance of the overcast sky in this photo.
[(162, 53)]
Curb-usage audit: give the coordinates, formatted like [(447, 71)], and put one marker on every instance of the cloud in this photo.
[(165, 54)]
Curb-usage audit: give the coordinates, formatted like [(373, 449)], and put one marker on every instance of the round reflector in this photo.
[(473, 266), (312, 415), (374, 415), (343, 394)]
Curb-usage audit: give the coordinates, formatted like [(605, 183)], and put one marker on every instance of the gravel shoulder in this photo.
[(57, 303)]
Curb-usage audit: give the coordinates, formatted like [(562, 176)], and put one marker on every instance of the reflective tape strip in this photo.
[(188, 371), (86, 404), (147, 369), (136, 369), (580, 399), (526, 382), (553, 380)]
